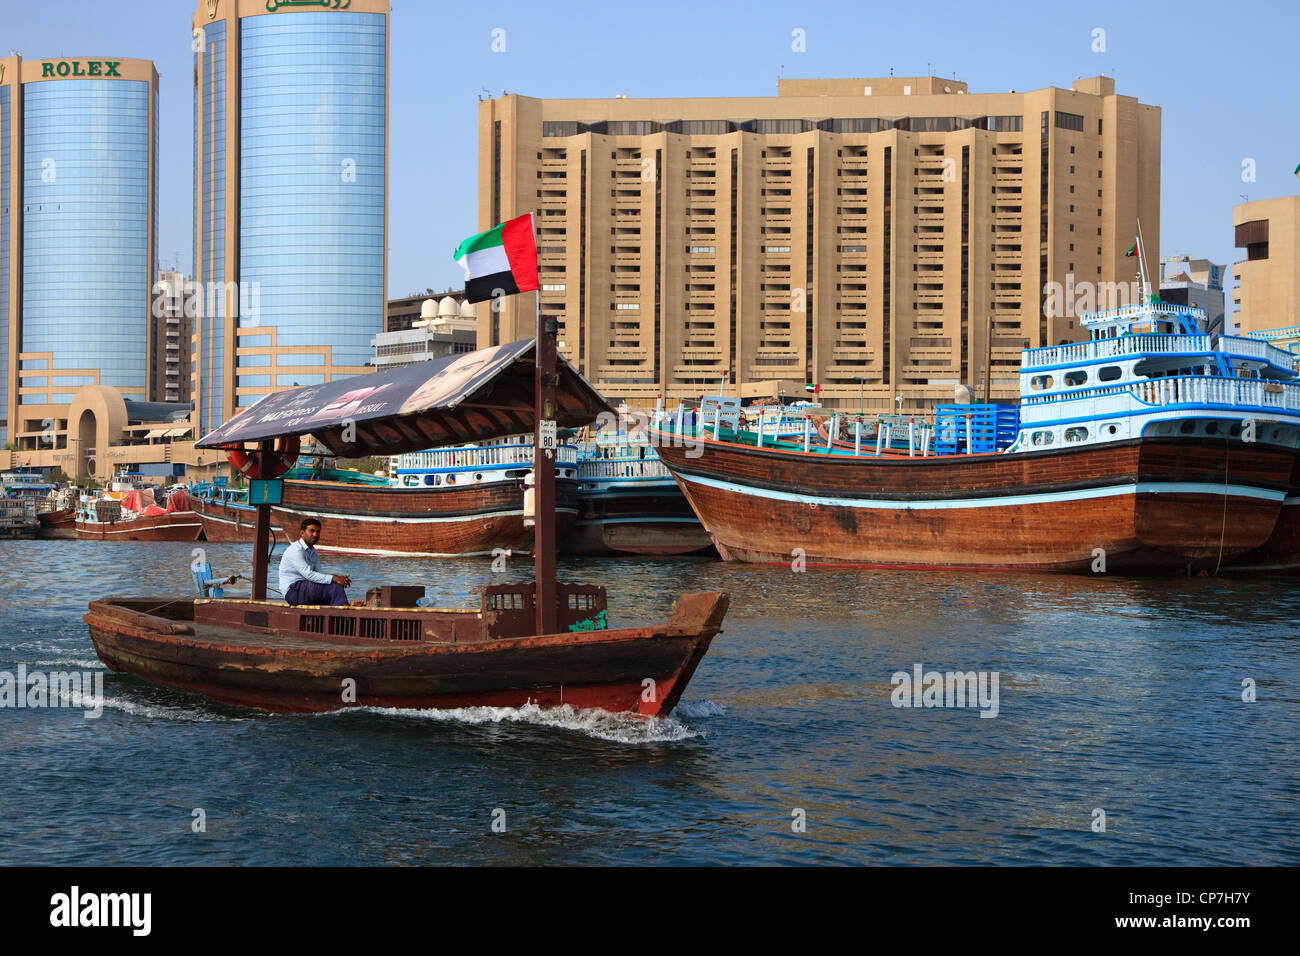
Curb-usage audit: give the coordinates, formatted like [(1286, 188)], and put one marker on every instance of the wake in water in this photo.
[(600, 724)]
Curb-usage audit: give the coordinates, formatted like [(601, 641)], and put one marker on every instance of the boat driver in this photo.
[(301, 579)]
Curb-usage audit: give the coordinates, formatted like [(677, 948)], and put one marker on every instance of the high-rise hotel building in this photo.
[(290, 174), (878, 237), (78, 213)]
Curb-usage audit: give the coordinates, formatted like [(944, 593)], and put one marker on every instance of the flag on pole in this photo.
[(1297, 170), (1132, 250), (501, 261)]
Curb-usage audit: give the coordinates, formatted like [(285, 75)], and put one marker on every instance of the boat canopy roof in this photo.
[(460, 398)]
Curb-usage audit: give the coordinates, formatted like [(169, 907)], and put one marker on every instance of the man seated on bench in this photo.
[(301, 579)]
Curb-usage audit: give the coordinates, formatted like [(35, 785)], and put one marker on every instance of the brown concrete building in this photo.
[(173, 327), (863, 234), (1267, 294)]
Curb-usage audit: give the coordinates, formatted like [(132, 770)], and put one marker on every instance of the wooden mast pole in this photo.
[(263, 537), (544, 544)]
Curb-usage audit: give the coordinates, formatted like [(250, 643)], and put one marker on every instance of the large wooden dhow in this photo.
[(447, 502), (1151, 448), (541, 642)]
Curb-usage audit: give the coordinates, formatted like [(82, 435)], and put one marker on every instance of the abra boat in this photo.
[(227, 516), (542, 641), (630, 503), (1152, 447)]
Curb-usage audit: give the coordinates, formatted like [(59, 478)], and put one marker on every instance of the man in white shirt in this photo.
[(301, 579)]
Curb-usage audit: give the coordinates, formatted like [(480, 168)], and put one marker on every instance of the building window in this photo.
[(1072, 121)]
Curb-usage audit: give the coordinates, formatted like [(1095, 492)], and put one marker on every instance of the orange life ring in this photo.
[(245, 461)]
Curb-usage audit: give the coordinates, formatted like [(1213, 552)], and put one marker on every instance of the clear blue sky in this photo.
[(1224, 75)]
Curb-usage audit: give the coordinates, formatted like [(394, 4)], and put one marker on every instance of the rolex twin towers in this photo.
[(887, 239)]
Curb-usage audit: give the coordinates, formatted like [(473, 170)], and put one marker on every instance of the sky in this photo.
[(1223, 75)]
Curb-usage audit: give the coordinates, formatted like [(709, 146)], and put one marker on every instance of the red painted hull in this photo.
[(175, 526), (436, 522), (447, 659), (1138, 506)]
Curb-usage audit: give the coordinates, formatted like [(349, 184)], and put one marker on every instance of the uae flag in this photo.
[(1132, 250), (501, 261)]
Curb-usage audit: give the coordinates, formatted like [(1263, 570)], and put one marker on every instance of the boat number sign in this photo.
[(546, 434), (265, 491)]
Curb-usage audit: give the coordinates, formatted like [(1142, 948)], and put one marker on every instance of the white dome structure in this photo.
[(468, 310), (428, 309), (448, 308)]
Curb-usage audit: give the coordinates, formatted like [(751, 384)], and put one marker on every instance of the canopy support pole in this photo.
[(544, 543), (263, 537)]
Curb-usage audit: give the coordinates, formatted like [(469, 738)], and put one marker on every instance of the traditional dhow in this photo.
[(539, 642), (630, 503), (1153, 447), (136, 518), (448, 502)]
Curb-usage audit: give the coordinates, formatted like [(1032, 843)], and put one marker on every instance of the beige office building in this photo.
[(1267, 294), (862, 234)]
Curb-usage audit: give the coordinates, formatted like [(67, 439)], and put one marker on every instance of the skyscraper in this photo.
[(78, 181), (885, 238), (290, 173)]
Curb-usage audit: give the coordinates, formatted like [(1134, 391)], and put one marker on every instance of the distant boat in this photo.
[(134, 517), (630, 503)]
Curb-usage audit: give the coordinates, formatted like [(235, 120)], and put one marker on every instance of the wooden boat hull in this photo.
[(463, 520), (57, 524), (174, 526), (638, 670), (651, 521), (225, 522), (1280, 554), (1147, 505)]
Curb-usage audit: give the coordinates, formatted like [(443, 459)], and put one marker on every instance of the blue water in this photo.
[(1115, 694)]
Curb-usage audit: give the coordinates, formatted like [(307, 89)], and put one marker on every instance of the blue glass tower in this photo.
[(77, 234), (291, 211)]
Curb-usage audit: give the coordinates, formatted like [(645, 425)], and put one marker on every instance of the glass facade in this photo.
[(211, 102), (86, 257), (4, 259), (312, 178)]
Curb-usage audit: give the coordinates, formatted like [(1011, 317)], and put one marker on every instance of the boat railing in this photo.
[(1131, 344), (491, 456), (1140, 311), (1243, 347), (1189, 390), (598, 468)]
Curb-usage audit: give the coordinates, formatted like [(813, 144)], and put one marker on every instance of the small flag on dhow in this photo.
[(1297, 170), (501, 261)]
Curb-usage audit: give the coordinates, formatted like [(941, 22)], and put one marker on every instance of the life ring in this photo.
[(245, 461)]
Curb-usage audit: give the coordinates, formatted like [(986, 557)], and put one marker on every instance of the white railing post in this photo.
[(911, 438), (760, 429), (807, 432), (857, 437), (970, 435)]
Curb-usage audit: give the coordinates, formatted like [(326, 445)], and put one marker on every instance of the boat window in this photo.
[(1112, 429), (1187, 427), (1076, 434), (1076, 378), (1040, 382), (1110, 373), (478, 476), (1234, 430), (429, 479), (1212, 428), (1042, 438)]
